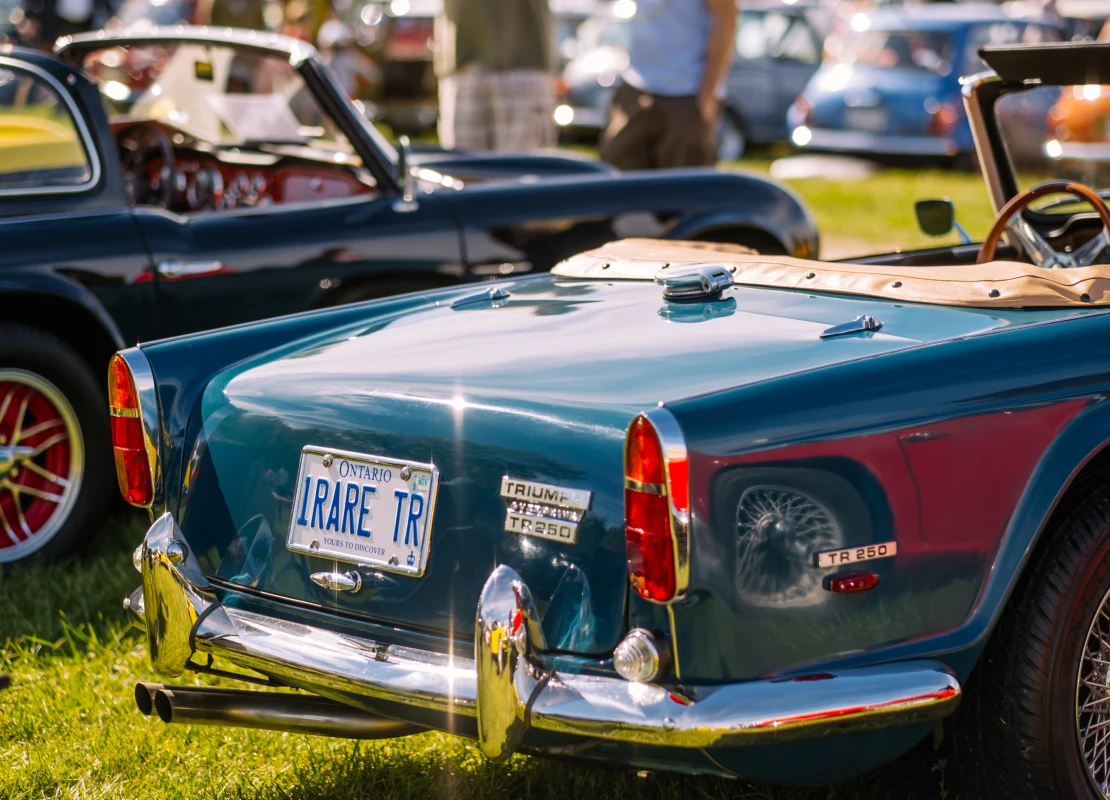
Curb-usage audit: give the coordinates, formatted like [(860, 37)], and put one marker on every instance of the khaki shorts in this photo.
[(648, 131), (506, 111)]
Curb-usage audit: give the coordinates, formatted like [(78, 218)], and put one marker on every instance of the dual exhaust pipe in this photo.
[(272, 711)]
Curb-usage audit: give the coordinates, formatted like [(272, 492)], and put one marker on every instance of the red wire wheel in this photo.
[(42, 460)]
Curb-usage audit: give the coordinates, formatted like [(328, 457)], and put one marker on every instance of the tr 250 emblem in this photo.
[(543, 510)]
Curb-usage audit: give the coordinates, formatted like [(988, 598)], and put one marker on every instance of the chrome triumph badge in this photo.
[(539, 509)]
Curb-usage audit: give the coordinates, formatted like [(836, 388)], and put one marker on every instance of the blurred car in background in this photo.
[(399, 35), (567, 16), (778, 48), (890, 82), (145, 13), (11, 13), (1077, 144), (1082, 20)]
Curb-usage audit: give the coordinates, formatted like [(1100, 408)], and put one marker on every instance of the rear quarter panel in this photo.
[(958, 452)]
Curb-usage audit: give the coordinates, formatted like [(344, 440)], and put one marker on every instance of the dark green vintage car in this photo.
[(231, 180), (670, 506)]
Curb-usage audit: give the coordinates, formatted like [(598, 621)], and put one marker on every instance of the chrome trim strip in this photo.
[(291, 47), (510, 685), (675, 663), (91, 152), (188, 269), (143, 376), (674, 449), (648, 488)]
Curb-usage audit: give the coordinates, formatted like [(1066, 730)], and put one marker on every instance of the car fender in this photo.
[(64, 290), (1081, 440)]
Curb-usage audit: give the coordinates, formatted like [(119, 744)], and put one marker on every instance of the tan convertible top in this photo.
[(997, 284)]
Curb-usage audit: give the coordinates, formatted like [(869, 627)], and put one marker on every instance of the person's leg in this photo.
[(469, 129), (628, 141), (523, 104), (448, 95), (686, 140)]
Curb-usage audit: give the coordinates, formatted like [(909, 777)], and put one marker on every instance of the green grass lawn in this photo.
[(68, 727), (875, 214)]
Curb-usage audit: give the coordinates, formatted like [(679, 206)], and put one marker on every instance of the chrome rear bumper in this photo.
[(509, 685)]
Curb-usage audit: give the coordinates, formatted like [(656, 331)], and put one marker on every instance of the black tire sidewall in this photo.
[(1084, 601), (48, 357)]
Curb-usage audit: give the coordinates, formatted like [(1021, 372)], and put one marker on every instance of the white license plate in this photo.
[(365, 509), (872, 120)]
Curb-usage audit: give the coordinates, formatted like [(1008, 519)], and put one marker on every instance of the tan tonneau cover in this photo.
[(997, 284)]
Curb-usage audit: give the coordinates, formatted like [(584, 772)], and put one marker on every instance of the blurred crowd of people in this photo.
[(493, 63), (484, 72)]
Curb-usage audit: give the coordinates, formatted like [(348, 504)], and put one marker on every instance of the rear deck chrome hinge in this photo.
[(495, 297), (861, 324)]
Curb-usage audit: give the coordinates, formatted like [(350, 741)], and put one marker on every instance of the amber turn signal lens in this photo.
[(128, 439)]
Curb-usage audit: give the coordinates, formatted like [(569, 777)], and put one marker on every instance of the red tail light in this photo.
[(129, 441), (656, 506)]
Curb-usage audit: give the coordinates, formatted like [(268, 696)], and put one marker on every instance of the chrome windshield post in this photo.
[(973, 88)]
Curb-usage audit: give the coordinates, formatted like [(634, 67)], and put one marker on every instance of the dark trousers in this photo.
[(649, 131)]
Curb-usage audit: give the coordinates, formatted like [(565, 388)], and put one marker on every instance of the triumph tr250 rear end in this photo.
[(670, 506)]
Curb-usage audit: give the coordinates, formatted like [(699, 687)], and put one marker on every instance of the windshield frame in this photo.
[(377, 154)]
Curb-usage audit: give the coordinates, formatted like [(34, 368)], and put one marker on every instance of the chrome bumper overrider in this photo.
[(509, 685)]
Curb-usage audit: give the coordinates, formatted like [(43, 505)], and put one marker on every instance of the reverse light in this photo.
[(134, 466), (640, 657), (656, 506)]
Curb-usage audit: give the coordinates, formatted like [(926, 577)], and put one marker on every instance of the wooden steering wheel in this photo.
[(1042, 253)]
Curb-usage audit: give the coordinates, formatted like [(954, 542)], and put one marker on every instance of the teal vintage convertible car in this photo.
[(672, 506)]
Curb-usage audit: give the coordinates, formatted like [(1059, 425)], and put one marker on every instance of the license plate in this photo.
[(369, 510), (872, 120)]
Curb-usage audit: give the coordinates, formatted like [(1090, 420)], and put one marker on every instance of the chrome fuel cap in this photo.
[(694, 282)]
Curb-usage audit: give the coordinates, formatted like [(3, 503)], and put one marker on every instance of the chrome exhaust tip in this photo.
[(265, 710), (144, 696)]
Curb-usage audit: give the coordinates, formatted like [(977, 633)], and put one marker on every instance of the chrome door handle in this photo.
[(339, 581), (185, 269)]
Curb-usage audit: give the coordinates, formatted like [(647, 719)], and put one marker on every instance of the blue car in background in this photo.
[(890, 82), (777, 50)]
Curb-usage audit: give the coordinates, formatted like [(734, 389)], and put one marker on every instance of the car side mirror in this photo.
[(935, 217), (938, 217), (405, 179)]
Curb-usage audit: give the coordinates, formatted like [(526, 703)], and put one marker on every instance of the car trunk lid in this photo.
[(539, 386)]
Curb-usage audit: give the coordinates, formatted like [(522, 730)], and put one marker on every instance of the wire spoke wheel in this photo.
[(778, 531), (42, 460), (1092, 700)]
